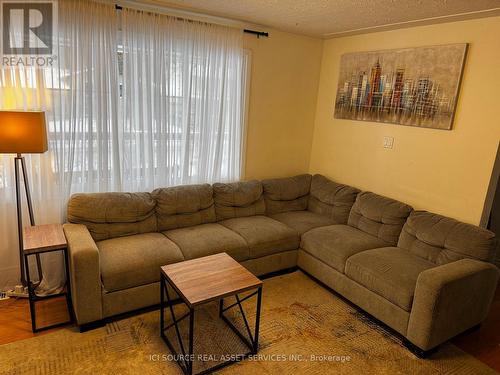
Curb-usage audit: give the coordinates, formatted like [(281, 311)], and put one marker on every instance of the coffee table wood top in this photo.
[(209, 278), (41, 238)]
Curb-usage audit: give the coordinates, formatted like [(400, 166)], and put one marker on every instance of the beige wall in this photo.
[(282, 103), (445, 172)]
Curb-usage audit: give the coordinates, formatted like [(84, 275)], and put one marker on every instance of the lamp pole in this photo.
[(19, 160), (23, 132)]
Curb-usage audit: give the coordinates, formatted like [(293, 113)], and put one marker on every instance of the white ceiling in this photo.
[(330, 18)]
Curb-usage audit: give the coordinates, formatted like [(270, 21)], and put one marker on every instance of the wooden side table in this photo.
[(41, 239), (202, 280)]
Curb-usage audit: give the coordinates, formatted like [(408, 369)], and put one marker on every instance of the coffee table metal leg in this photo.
[(257, 322), (31, 292), (253, 340), (183, 359), (191, 340), (69, 300), (162, 306)]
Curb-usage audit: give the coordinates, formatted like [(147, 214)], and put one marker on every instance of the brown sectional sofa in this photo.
[(426, 276)]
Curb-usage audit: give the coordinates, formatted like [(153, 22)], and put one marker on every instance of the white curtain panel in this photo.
[(182, 101), (80, 97), (136, 101), (84, 123)]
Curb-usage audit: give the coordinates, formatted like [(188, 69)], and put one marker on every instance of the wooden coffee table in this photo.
[(204, 280)]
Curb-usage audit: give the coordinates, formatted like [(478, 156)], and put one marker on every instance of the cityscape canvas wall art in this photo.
[(414, 86)]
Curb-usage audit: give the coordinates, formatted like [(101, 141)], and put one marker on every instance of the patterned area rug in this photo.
[(305, 329)]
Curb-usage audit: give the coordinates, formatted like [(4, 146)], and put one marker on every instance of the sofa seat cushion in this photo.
[(302, 221), (135, 260), (208, 239), (390, 272), (264, 236), (333, 244)]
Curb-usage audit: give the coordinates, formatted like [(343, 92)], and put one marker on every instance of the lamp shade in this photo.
[(22, 132)]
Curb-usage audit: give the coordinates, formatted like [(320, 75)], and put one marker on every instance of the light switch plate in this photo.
[(388, 142)]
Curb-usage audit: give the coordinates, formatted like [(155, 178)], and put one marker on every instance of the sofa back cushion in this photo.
[(184, 206), (286, 194), (109, 215), (441, 240), (379, 216), (238, 199), (331, 199)]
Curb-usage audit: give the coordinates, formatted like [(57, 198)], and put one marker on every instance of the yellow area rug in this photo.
[(305, 329)]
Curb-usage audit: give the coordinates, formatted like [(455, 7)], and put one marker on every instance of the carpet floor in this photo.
[(305, 329)]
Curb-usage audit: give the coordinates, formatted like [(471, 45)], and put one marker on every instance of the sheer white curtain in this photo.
[(159, 103), (84, 124), (182, 101), (80, 97)]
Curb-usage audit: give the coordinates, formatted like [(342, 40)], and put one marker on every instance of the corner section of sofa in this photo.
[(303, 202)]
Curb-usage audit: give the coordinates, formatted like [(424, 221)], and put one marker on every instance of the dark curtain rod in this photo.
[(258, 33), (253, 32)]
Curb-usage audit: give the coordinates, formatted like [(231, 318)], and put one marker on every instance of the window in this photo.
[(155, 101)]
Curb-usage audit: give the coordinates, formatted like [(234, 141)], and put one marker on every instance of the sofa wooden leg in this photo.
[(422, 354)]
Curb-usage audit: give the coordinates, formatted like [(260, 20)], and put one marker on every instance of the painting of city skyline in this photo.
[(413, 86)]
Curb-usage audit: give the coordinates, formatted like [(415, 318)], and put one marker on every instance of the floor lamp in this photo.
[(23, 133)]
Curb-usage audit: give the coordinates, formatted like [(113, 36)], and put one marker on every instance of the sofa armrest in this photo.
[(450, 299), (85, 273)]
